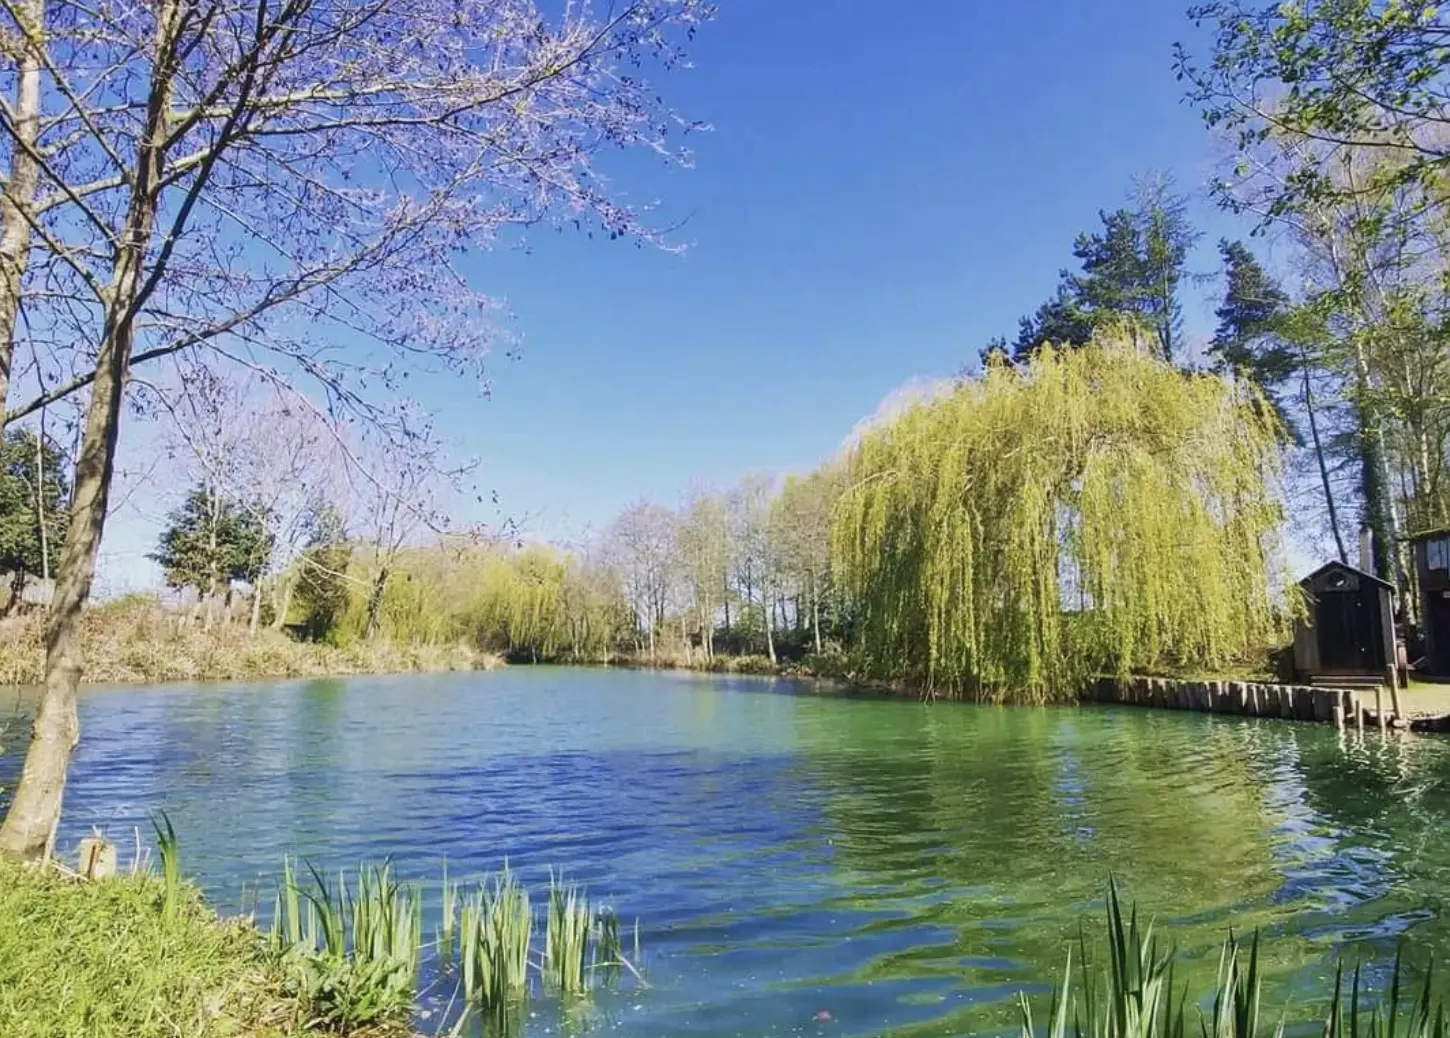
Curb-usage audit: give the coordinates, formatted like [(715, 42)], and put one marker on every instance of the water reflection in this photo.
[(905, 867)]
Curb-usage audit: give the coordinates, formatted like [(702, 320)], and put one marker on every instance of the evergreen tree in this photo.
[(321, 595), (1061, 321), (212, 540), (1129, 275), (34, 497), (1252, 320)]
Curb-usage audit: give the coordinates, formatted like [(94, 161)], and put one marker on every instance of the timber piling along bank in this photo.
[(1338, 706)]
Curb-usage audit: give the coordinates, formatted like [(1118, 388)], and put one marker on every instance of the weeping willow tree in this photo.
[(1095, 511)]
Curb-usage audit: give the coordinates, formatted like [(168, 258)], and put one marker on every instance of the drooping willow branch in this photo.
[(1096, 511)]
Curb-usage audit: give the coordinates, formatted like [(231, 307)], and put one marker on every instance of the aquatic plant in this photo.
[(1136, 996), (169, 850), (448, 922), (496, 930), (355, 962), (1095, 510)]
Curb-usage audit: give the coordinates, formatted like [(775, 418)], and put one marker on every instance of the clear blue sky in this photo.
[(886, 186)]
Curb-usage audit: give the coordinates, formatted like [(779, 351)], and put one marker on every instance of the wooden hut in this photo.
[(1348, 631), (1432, 568)]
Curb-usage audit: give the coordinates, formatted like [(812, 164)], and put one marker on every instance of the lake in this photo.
[(904, 867)]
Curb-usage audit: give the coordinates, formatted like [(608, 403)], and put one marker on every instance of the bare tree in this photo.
[(286, 186), (702, 543), (264, 448), (394, 497), (748, 522), (642, 542)]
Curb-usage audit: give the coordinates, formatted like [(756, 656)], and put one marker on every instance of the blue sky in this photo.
[(886, 186)]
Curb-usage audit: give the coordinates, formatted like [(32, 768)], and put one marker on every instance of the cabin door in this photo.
[(1350, 639)]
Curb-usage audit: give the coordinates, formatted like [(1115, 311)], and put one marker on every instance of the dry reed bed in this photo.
[(143, 644)]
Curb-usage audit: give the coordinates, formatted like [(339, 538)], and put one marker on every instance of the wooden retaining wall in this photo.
[(1337, 706)]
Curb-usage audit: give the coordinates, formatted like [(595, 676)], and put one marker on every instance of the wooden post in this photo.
[(98, 858), (1379, 706)]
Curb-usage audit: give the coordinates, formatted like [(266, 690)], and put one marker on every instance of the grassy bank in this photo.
[(142, 956), (108, 959), (138, 642)]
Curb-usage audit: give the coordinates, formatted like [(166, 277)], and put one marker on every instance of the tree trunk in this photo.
[(816, 614), (17, 591), (1311, 411), (29, 828), (282, 603), (256, 621), (375, 604), (1379, 512), (767, 614), (19, 193)]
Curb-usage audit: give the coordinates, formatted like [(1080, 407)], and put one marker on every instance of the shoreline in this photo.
[(147, 648), (180, 655)]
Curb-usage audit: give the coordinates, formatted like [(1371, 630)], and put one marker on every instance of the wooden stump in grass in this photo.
[(98, 858)]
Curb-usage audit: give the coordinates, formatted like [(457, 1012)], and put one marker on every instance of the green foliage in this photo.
[(322, 588), (578, 940), (496, 936), (354, 963), (1129, 276), (212, 540), (1254, 324), (1356, 73), (170, 851), (497, 930), (1094, 511), (534, 602), (29, 491), (1136, 995)]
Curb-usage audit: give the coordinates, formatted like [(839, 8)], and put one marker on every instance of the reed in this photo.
[(1137, 996), (567, 942), (353, 964), (448, 923), (497, 931), (169, 850)]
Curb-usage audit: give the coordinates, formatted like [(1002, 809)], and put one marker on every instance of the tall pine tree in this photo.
[(1129, 275)]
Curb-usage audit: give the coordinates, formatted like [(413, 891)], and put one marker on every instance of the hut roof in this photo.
[(1344, 568)]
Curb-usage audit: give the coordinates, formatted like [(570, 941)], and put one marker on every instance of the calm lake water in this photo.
[(904, 867)]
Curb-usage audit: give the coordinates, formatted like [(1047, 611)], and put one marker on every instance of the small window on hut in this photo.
[(1437, 553)]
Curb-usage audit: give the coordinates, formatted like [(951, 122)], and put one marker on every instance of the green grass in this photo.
[(108, 960)]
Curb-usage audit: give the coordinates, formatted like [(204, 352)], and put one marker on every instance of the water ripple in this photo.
[(904, 867)]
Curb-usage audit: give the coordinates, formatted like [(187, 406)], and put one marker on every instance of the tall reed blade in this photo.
[(169, 849)]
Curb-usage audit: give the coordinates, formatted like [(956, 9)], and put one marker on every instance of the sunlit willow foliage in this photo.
[(535, 602), (1093, 510)]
